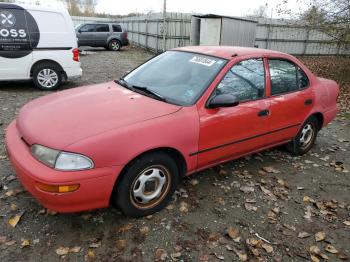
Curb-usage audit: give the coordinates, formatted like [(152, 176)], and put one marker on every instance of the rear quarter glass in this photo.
[(19, 31)]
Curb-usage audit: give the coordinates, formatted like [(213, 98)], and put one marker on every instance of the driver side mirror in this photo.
[(223, 100)]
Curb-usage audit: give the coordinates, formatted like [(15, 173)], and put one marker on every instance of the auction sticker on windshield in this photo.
[(202, 60)]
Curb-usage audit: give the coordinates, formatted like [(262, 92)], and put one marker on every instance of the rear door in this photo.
[(102, 33), (15, 42), (291, 99)]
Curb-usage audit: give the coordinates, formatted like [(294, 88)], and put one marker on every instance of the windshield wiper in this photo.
[(143, 89), (149, 91), (122, 82)]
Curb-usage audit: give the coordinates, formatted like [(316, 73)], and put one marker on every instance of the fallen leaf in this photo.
[(75, 249), (320, 236), (144, 230), (252, 242), (314, 258), (233, 233), (25, 243), (347, 223), (61, 251), (14, 220), (3, 239), (241, 255), (342, 256), (13, 207), (303, 235), (194, 182), (268, 248), (90, 255), (246, 189), (160, 254), (121, 244), (315, 250), (270, 169), (331, 249), (183, 207), (250, 207), (308, 199), (176, 255), (220, 257), (125, 228)]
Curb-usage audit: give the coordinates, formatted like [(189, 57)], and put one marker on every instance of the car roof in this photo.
[(228, 52)]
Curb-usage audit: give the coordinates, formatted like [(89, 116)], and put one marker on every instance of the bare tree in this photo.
[(81, 7), (260, 12), (329, 16)]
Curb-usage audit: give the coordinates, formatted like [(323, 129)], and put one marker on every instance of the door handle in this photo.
[(264, 113), (308, 102)]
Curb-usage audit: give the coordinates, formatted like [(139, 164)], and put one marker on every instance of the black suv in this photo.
[(108, 35)]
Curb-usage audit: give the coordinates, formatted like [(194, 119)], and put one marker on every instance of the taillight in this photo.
[(126, 35), (76, 54)]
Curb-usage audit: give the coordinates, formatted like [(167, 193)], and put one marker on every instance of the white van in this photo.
[(39, 44)]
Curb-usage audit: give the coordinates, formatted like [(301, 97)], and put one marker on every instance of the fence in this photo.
[(147, 31)]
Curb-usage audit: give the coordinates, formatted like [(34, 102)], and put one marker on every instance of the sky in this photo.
[(220, 7)]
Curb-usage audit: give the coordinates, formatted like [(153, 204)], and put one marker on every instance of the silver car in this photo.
[(109, 35)]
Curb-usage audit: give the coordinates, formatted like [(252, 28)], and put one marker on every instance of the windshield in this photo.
[(178, 77)]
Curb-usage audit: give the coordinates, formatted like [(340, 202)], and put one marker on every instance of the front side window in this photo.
[(286, 77), (179, 77), (245, 80), (87, 28)]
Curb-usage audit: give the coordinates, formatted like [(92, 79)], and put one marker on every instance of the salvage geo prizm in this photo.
[(129, 142)]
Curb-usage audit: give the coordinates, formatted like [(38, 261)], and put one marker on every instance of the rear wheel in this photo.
[(306, 137), (47, 76), (114, 45), (147, 185)]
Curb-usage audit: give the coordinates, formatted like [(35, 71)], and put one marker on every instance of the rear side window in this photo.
[(102, 28), (286, 77), (245, 80), (117, 28)]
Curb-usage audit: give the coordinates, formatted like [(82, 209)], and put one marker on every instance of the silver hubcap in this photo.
[(47, 78), (306, 135), (149, 185), (115, 45)]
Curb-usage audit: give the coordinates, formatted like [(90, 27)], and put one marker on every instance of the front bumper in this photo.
[(95, 189)]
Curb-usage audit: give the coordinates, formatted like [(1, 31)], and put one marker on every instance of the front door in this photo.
[(86, 35), (234, 131)]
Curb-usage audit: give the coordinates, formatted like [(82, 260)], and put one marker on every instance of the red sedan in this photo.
[(130, 142)]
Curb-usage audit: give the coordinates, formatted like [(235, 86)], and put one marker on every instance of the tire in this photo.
[(47, 76), (131, 191), (305, 138), (114, 45)]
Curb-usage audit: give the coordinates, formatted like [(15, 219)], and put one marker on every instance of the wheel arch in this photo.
[(172, 152), (320, 118), (42, 61)]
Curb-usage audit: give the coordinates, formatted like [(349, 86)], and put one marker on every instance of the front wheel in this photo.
[(306, 137), (147, 185)]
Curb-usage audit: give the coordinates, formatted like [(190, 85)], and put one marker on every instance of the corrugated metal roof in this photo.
[(222, 16)]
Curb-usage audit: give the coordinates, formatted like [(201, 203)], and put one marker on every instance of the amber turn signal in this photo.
[(57, 188)]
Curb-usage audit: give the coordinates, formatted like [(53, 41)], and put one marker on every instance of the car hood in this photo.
[(63, 118)]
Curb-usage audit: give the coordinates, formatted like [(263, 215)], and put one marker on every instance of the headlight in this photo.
[(69, 161), (61, 160)]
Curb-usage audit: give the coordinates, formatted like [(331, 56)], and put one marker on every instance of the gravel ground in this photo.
[(266, 207)]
